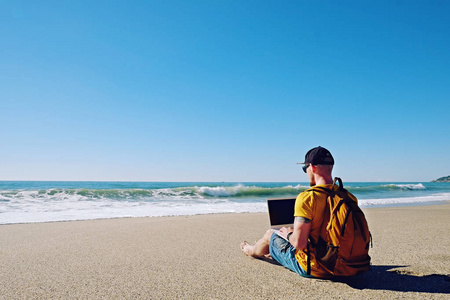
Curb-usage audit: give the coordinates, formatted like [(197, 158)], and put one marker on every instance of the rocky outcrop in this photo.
[(442, 179)]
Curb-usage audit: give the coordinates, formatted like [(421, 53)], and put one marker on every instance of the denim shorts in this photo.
[(284, 253)]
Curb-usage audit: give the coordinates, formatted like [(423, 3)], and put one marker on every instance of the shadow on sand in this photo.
[(393, 279)]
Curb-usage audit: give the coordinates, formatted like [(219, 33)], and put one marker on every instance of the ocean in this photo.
[(48, 201)]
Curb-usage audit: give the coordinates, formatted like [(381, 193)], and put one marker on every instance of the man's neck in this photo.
[(323, 180)]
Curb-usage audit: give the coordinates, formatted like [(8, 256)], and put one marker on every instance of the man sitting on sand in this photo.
[(309, 208)]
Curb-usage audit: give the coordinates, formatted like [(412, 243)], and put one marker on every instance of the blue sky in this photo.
[(223, 90)]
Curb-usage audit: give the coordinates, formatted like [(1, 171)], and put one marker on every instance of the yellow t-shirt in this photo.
[(311, 205)]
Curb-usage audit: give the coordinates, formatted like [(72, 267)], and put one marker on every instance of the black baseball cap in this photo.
[(319, 156)]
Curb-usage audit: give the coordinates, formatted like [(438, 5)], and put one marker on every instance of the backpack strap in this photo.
[(325, 190), (339, 180), (321, 189), (331, 194), (308, 260)]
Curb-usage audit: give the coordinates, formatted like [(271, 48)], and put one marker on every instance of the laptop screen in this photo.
[(281, 211)]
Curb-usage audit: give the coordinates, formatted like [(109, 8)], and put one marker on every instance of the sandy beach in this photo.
[(198, 257)]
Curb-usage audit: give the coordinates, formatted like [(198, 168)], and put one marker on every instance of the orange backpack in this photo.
[(343, 245)]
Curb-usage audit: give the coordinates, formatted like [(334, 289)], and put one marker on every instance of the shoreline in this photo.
[(199, 257), (410, 204), (50, 202)]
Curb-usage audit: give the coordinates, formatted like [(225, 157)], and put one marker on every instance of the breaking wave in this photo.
[(23, 202), (194, 192)]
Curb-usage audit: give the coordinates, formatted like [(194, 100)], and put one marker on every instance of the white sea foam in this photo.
[(418, 186), (412, 200), (221, 191), (85, 210), (60, 204)]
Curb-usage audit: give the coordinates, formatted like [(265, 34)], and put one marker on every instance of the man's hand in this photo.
[(285, 230)]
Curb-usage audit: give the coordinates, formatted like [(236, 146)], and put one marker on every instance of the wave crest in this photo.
[(412, 186), (179, 193), (249, 191)]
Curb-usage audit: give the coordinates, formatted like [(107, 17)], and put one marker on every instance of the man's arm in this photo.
[(300, 232)]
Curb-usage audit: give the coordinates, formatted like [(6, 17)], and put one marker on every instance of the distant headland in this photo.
[(442, 179)]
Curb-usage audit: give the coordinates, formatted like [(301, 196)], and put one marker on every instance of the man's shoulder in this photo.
[(317, 192), (311, 202)]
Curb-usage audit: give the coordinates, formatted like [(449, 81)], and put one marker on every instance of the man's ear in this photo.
[(313, 168)]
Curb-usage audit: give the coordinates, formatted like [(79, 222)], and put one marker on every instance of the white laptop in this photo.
[(281, 212)]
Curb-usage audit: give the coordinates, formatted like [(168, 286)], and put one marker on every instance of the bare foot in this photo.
[(247, 248)]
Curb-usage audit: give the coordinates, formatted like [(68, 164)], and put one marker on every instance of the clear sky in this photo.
[(223, 90)]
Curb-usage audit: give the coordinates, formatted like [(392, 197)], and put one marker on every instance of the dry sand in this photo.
[(198, 257)]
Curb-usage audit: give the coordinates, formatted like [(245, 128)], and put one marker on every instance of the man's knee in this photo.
[(268, 235)]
